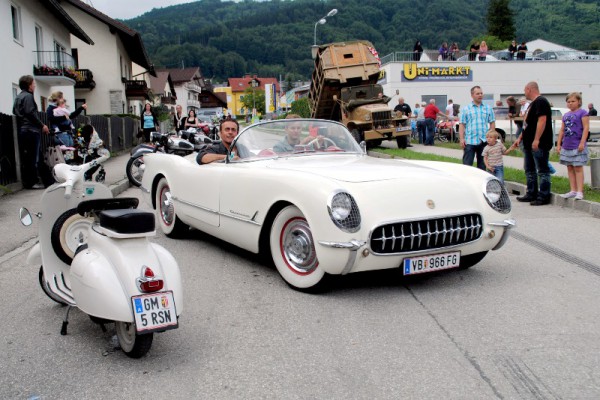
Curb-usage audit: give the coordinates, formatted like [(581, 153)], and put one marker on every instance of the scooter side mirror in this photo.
[(25, 216)]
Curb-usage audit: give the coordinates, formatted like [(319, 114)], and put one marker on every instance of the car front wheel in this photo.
[(293, 251)]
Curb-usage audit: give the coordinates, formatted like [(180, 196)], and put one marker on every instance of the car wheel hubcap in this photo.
[(297, 247), (166, 206)]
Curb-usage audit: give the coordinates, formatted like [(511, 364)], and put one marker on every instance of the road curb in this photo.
[(119, 187), (519, 189)]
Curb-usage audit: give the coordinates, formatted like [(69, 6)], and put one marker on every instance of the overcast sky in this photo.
[(125, 9)]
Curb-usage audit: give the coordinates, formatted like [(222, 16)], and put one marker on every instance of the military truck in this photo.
[(344, 88)]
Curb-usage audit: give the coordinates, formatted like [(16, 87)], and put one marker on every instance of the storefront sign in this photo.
[(411, 72)]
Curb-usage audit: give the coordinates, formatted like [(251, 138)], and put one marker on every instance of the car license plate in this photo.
[(402, 128), (154, 312), (436, 262)]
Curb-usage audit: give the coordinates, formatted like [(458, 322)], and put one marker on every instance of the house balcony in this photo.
[(84, 79), (137, 90), (192, 87), (168, 99), (193, 103), (54, 68)]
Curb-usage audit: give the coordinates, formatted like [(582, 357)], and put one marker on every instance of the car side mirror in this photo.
[(363, 147)]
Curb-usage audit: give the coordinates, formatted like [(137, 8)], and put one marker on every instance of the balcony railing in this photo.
[(193, 103), (168, 99), (137, 89), (193, 87), (54, 67), (85, 79)]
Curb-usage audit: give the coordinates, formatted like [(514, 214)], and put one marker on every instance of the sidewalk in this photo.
[(512, 187), (509, 161)]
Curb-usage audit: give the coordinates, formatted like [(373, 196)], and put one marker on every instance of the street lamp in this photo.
[(322, 21), (254, 83)]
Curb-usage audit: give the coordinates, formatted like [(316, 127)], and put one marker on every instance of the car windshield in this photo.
[(294, 137)]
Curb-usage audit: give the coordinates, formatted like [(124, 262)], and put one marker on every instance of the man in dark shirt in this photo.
[(25, 109), (537, 143), (592, 111), (218, 151), (403, 107)]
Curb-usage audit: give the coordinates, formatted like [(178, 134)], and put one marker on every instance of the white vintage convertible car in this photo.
[(325, 207)]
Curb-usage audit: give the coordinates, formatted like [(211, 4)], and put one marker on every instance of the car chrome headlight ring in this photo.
[(496, 195), (344, 212)]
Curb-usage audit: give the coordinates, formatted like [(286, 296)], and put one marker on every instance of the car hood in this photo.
[(358, 169)]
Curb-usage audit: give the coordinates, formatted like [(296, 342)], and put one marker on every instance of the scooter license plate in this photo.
[(154, 312)]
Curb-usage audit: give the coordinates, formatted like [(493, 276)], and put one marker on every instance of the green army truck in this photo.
[(344, 88)]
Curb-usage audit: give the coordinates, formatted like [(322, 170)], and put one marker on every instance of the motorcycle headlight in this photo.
[(343, 211), (496, 195)]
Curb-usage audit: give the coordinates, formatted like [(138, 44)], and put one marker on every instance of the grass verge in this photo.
[(559, 184)]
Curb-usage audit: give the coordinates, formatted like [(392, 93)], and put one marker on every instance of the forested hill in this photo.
[(273, 38)]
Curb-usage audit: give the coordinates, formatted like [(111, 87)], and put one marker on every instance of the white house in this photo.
[(36, 40), (108, 85)]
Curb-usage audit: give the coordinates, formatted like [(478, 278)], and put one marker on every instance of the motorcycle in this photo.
[(196, 137), (161, 142), (95, 255)]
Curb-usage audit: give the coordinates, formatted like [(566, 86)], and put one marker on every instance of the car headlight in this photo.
[(496, 195), (344, 212)]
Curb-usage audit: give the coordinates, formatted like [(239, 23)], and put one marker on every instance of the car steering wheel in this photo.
[(326, 140)]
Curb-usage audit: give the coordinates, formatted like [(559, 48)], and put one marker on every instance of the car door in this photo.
[(197, 193)]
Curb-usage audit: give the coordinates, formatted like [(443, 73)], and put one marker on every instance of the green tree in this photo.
[(500, 20), (254, 98), (301, 108)]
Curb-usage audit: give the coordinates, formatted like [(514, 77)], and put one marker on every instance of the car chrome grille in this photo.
[(428, 234)]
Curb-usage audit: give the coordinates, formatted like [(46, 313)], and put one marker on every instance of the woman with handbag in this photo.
[(149, 122)]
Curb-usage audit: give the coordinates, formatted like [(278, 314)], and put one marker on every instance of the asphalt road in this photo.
[(521, 324)]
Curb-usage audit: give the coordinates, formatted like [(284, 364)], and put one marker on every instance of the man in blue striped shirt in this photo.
[(476, 119)]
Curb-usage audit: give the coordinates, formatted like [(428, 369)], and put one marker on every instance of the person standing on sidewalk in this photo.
[(537, 142), (30, 125), (476, 120), (430, 113), (572, 146)]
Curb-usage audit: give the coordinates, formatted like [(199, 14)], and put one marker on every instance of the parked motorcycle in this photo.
[(161, 142), (196, 137), (95, 255)]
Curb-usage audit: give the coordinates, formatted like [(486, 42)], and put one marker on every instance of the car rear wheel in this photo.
[(168, 220), (293, 251)]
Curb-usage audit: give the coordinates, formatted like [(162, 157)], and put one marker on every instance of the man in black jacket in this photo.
[(25, 108)]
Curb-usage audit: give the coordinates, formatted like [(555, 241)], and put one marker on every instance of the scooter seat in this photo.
[(131, 221), (96, 205)]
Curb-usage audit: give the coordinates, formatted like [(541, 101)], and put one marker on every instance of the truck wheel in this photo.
[(356, 135), (402, 142)]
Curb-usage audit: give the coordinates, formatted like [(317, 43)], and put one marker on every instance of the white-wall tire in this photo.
[(169, 223), (293, 250)]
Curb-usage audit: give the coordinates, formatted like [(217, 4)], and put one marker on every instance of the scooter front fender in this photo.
[(34, 258)]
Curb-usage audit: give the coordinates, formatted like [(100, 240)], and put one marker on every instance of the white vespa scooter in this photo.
[(95, 255)]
